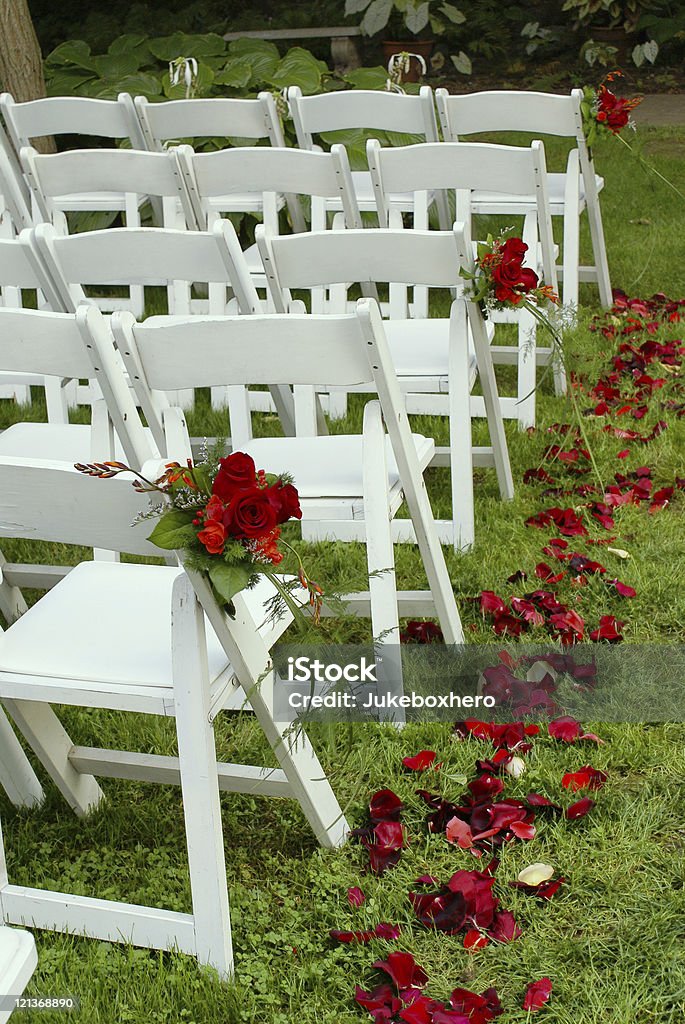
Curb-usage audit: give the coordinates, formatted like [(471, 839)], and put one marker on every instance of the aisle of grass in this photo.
[(612, 940)]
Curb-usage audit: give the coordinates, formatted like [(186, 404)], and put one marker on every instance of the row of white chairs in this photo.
[(169, 657), (154, 126), (188, 183), (437, 360)]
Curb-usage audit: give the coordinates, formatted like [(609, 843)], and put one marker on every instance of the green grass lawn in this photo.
[(612, 940)]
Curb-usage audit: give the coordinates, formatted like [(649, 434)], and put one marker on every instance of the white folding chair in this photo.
[(496, 169), (17, 777), (18, 959), (57, 178), (75, 115), (151, 256), (234, 120), (51, 346), (571, 192), (176, 654), (350, 486), (432, 357), (268, 173), (411, 118), (21, 269)]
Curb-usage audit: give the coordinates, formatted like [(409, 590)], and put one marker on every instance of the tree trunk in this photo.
[(21, 64)]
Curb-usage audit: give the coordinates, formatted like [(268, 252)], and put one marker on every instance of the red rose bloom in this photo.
[(236, 473), (252, 513), (511, 278), (616, 110), (213, 536), (290, 502)]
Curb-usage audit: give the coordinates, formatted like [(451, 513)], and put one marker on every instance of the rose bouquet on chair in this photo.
[(226, 517), (500, 281), (605, 115)]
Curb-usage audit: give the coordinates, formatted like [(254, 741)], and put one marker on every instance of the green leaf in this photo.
[(67, 82), (244, 47), (180, 44), (74, 51), (462, 63), (126, 43), (355, 6), (367, 78), (299, 67), (229, 580), (416, 18), (237, 73), (173, 531), (376, 17), (141, 84), (117, 65), (456, 16)]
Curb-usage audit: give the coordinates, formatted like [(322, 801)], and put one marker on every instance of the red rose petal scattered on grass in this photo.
[(355, 896), (424, 759), (580, 808), (537, 994), (609, 629), (475, 939), (585, 778)]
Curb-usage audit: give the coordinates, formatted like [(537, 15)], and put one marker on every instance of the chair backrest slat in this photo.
[(451, 165), (34, 341), (362, 108), (200, 351), (383, 255), (72, 115), (49, 501), (506, 111), (99, 170), (130, 256), (277, 170), (217, 117)]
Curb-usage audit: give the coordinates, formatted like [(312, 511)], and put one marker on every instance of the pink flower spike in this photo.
[(537, 994), (355, 896)]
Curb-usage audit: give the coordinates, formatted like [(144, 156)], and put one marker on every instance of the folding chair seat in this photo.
[(570, 193), (176, 654), (75, 115), (459, 346), (232, 119), (504, 170), (18, 961)]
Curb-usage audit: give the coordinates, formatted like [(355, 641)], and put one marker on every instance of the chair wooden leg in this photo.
[(254, 670), (380, 556), (600, 250), (199, 782), (527, 338), (461, 444), (52, 745), (17, 777), (493, 409)]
